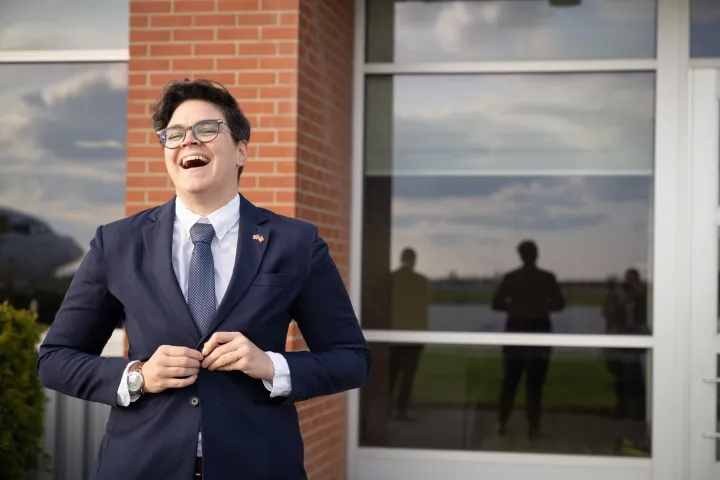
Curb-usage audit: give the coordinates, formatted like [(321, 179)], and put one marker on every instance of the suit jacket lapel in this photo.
[(248, 257), (157, 237)]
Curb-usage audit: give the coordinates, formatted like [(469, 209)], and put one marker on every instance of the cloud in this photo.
[(62, 152), (586, 227), (76, 25), (465, 31), (500, 123)]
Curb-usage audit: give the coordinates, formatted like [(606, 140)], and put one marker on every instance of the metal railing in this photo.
[(74, 428)]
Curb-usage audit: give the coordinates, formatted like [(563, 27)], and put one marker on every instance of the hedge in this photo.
[(22, 397)]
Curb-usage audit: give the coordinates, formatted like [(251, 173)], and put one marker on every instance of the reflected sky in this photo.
[(445, 124), (62, 145), (64, 25), (586, 228), (705, 31), (431, 31)]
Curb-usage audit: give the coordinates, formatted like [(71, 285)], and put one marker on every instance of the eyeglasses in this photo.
[(204, 131)]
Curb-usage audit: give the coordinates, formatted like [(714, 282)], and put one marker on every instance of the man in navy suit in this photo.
[(206, 286)]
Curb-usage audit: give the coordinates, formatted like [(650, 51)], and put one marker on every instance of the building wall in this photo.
[(289, 64)]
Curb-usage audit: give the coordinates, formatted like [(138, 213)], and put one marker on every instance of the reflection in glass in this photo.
[(75, 25), (585, 401), (62, 157), (704, 28), (489, 30), (499, 123)]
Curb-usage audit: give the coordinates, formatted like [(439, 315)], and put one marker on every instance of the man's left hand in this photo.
[(226, 351)]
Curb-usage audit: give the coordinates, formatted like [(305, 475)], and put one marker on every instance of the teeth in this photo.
[(190, 158)]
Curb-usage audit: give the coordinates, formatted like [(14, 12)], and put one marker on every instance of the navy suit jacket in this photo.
[(128, 276)]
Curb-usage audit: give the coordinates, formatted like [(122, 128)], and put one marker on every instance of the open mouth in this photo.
[(194, 161)]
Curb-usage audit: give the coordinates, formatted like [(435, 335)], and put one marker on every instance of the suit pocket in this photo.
[(274, 279)]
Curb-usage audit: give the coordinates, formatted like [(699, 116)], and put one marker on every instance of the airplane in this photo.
[(31, 251)]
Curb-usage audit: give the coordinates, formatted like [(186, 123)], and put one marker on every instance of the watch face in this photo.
[(135, 381)]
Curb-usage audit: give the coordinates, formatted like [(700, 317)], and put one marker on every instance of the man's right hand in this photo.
[(171, 367)]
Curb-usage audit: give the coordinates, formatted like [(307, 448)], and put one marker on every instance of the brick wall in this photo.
[(289, 64)]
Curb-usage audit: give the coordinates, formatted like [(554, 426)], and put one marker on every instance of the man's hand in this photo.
[(168, 365), (227, 351)]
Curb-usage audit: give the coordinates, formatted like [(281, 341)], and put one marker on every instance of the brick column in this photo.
[(289, 64)]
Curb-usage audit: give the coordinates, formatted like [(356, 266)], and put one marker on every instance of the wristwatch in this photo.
[(135, 379)]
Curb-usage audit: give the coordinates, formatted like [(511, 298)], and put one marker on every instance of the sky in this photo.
[(481, 162), (64, 24), (527, 30), (62, 145)]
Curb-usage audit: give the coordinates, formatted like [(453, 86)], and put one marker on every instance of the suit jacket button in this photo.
[(194, 401)]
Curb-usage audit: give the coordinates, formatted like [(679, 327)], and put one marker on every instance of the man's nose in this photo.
[(190, 138)]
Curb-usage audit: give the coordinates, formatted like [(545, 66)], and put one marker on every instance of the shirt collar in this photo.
[(221, 220)]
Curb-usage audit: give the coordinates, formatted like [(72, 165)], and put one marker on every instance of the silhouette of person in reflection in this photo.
[(528, 295), (409, 311), (626, 314)]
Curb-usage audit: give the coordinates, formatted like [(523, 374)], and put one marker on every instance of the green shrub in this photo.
[(22, 397)]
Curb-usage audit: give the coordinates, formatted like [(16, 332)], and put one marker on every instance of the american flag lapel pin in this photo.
[(259, 238)]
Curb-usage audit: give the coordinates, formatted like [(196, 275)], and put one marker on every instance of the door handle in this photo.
[(711, 436), (711, 380)]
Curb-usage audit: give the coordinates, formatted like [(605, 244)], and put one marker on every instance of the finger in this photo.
[(179, 362), (180, 382), (217, 353), (225, 360), (171, 351), (174, 372), (219, 338)]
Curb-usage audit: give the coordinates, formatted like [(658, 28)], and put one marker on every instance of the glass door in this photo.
[(705, 346)]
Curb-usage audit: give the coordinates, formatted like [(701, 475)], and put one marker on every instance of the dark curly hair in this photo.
[(179, 91)]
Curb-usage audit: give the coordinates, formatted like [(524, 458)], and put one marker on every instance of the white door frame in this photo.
[(705, 163)]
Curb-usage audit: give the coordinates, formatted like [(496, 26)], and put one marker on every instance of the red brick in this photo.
[(146, 181), (134, 196), (220, 20), (170, 20), (143, 36), (257, 19), (137, 21), (278, 33), (193, 6), (255, 78), (193, 34), (160, 196), (259, 48), (279, 63), (238, 5), (214, 49), (138, 51), (169, 50), (281, 4), (149, 6), (148, 65), (237, 63), (192, 64), (238, 33)]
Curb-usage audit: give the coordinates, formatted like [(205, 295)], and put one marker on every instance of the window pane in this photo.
[(467, 124), (704, 28), (582, 401), (75, 25), (489, 30), (62, 157), (449, 196)]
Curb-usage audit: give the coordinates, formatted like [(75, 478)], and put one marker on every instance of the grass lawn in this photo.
[(576, 381)]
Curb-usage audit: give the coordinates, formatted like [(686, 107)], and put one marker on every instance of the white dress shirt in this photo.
[(226, 223)]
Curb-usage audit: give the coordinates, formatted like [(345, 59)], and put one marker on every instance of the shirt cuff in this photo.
[(281, 385), (123, 394)]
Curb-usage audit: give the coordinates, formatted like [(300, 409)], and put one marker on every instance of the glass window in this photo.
[(62, 157), (75, 25), (509, 203), (503, 30), (583, 401), (704, 28)]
